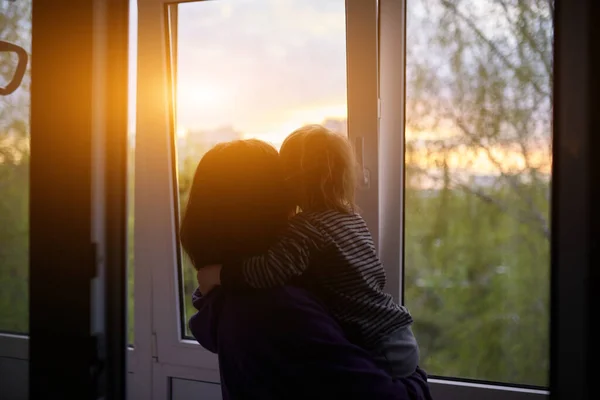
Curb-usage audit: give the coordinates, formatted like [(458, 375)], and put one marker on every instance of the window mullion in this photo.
[(392, 31)]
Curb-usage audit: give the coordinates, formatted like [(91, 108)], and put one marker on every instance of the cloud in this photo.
[(269, 56)]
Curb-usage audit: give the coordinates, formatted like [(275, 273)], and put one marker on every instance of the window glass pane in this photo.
[(131, 167), (15, 29), (478, 173), (130, 243), (254, 69)]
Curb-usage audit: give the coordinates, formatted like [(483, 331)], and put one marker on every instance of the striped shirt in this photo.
[(333, 255)]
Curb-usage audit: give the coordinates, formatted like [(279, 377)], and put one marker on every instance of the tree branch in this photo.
[(511, 179), (524, 31), (518, 215), (551, 6), (452, 7)]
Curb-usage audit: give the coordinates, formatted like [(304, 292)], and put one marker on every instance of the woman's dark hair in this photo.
[(237, 204)]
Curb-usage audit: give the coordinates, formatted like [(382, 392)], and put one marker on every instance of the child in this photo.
[(327, 248)]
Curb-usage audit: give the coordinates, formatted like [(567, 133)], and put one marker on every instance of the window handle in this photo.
[(14, 83), (364, 176)]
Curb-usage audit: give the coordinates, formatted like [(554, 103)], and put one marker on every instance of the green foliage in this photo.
[(15, 22), (477, 285), (14, 240), (130, 244)]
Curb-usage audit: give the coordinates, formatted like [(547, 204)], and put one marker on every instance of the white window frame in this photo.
[(155, 216), (156, 248), (392, 63)]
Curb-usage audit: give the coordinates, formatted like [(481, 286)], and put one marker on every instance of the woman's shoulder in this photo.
[(289, 326)]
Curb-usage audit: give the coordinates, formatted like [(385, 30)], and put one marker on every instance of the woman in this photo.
[(276, 343)]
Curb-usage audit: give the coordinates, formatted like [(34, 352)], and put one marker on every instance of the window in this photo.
[(131, 169), (130, 239), (15, 28), (254, 69), (477, 187)]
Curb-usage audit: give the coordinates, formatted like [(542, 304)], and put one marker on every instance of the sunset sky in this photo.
[(266, 67), (263, 66)]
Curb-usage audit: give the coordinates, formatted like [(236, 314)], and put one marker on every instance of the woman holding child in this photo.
[(293, 303)]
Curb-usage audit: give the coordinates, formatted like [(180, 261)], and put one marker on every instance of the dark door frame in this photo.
[(77, 323)]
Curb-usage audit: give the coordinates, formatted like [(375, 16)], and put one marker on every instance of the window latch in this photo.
[(364, 175)]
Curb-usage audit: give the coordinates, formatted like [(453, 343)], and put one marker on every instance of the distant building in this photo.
[(197, 142), (336, 125)]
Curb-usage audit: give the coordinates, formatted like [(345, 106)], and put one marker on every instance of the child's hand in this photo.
[(208, 277)]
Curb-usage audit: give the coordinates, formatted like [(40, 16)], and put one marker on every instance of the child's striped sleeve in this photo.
[(288, 257)]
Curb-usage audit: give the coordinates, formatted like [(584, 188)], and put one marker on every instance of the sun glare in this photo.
[(181, 132), (201, 95)]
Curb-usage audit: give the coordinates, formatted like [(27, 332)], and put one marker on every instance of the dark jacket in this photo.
[(281, 343)]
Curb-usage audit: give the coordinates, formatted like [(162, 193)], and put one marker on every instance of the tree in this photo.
[(479, 74), (490, 85)]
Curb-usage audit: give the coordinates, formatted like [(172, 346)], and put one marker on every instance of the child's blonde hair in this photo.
[(321, 168)]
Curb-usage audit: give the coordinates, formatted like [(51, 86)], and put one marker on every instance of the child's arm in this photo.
[(288, 257)]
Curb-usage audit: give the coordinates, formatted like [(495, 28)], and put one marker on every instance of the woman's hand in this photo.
[(208, 277)]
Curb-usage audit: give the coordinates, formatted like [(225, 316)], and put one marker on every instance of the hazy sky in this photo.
[(263, 66)]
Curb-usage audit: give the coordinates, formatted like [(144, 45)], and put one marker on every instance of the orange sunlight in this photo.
[(277, 126), (251, 83), (203, 95), (479, 161), (181, 132)]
